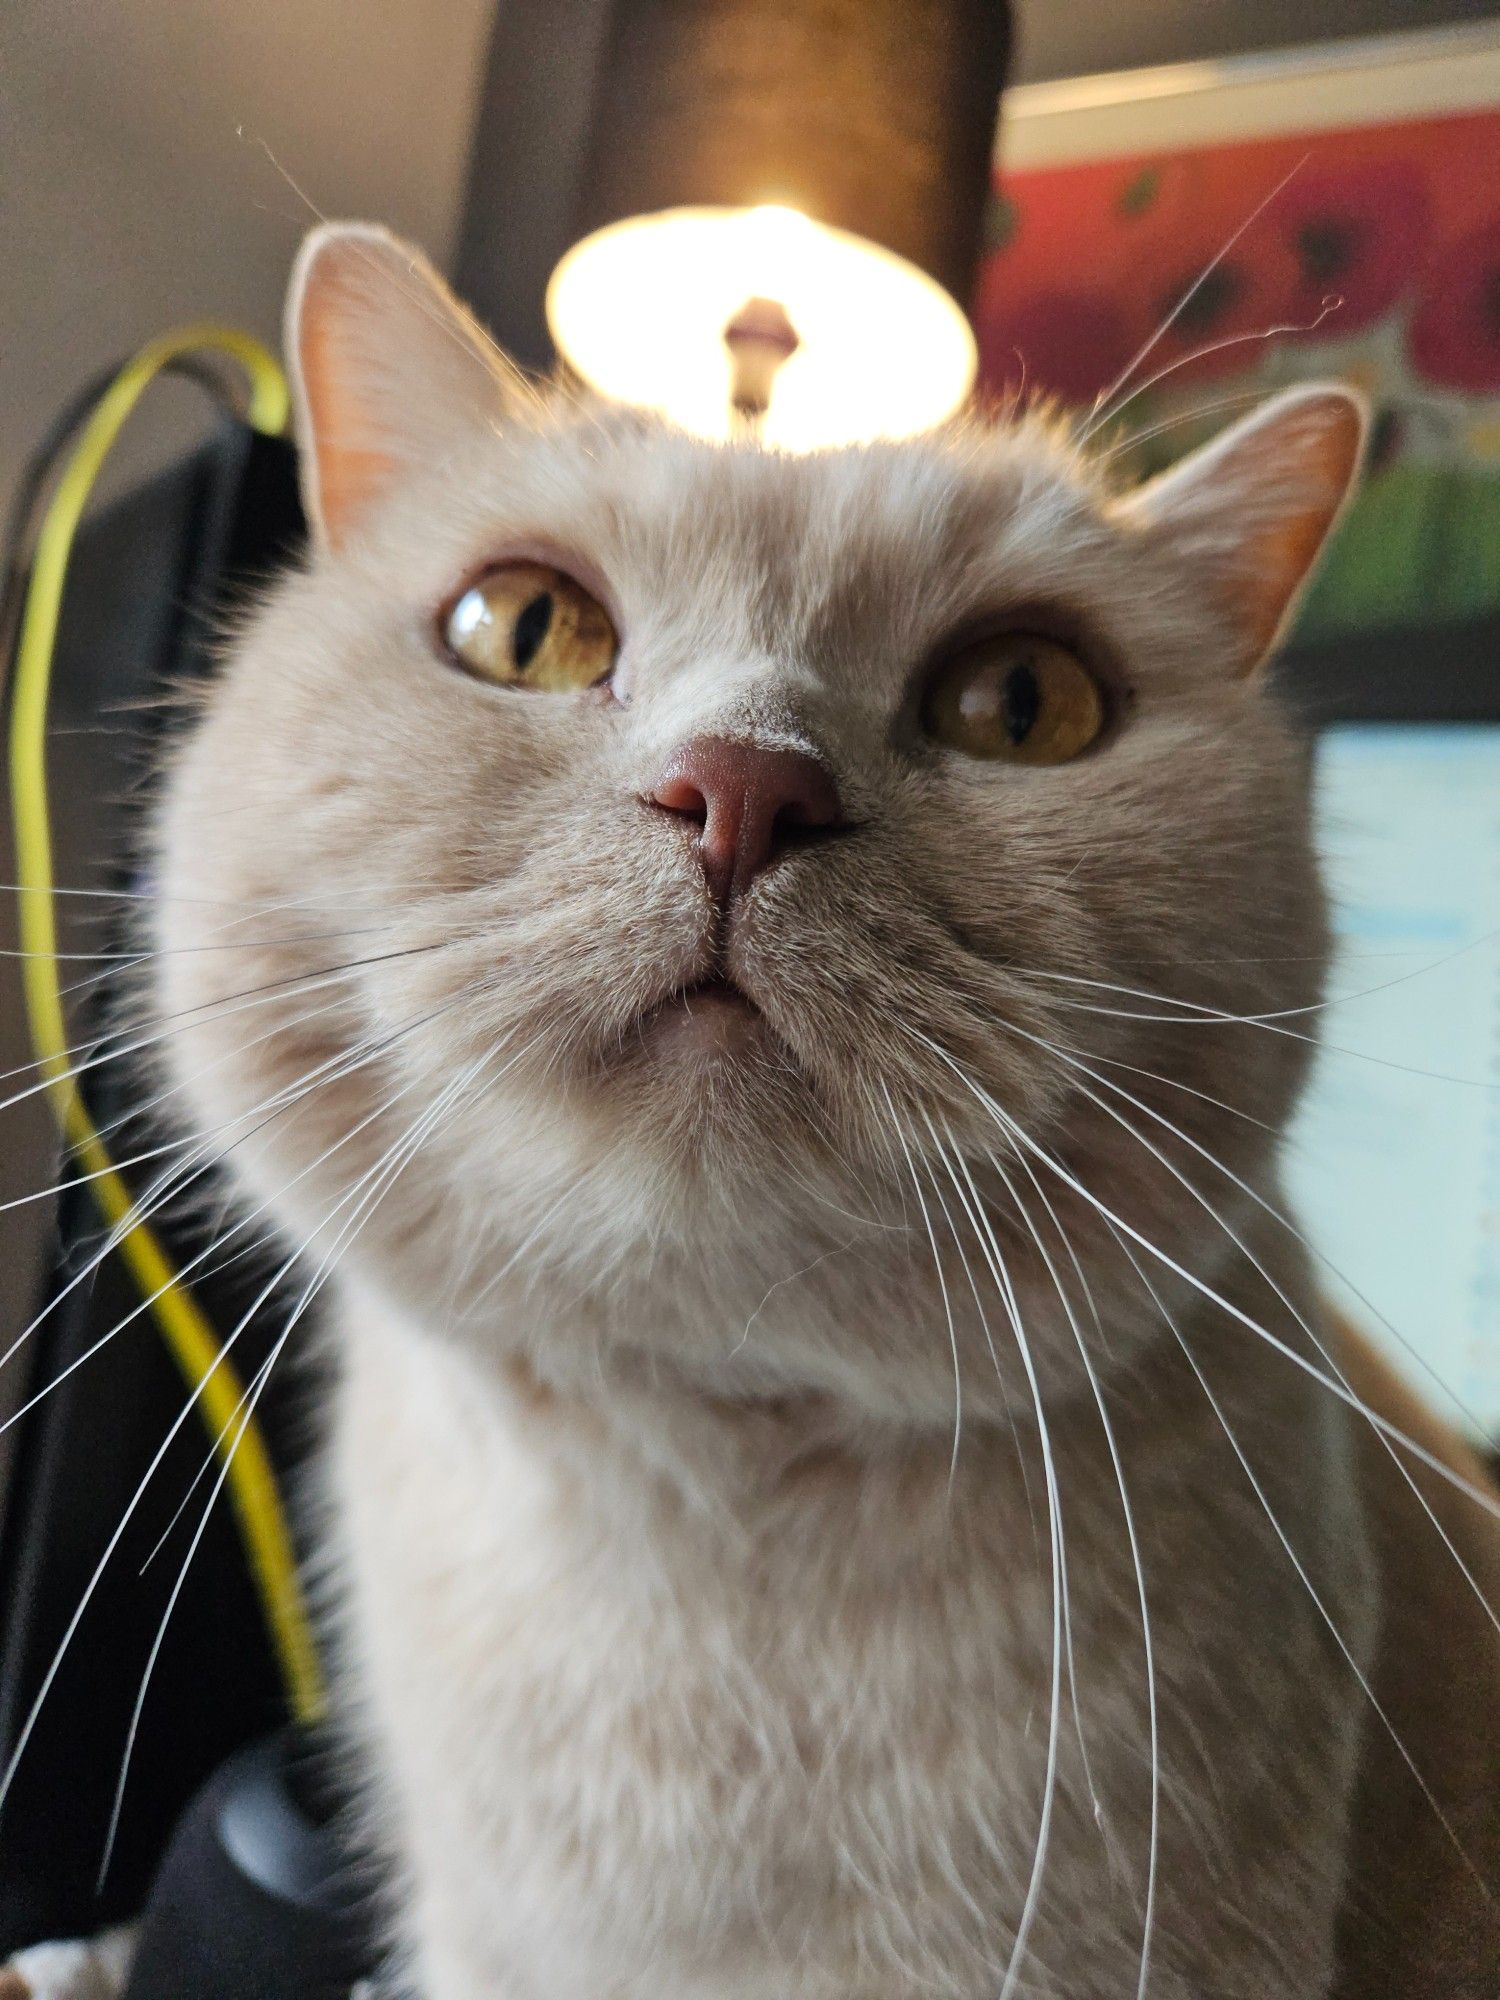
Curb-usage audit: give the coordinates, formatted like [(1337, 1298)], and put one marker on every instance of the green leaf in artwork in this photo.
[(1138, 194), (1420, 542)]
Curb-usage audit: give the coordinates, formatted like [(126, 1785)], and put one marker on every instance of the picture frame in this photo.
[(1167, 245)]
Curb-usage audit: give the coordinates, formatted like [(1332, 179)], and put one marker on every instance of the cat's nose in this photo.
[(751, 803)]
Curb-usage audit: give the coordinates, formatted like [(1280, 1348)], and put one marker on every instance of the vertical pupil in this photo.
[(1020, 700), (533, 622)]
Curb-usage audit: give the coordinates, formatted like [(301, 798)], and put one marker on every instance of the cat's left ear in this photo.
[(389, 372), (1249, 514)]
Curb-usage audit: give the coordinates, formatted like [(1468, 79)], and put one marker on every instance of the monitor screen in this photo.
[(1393, 1163)]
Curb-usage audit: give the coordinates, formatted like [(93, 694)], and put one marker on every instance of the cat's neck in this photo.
[(671, 1360)]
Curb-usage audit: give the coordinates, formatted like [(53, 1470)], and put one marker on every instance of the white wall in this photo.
[(134, 191)]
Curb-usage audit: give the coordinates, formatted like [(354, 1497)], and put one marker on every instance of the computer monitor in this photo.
[(1393, 1163)]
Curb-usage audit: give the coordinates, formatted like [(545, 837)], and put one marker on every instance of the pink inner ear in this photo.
[(1320, 445), (352, 473)]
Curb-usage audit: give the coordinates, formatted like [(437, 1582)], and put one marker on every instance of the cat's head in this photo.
[(618, 847)]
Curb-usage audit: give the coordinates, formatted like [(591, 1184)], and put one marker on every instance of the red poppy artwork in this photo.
[(1454, 335), (1155, 286), (1357, 234)]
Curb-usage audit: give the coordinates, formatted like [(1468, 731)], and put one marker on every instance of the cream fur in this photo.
[(694, 1644)]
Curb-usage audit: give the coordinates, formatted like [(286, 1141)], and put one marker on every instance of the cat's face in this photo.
[(845, 793)]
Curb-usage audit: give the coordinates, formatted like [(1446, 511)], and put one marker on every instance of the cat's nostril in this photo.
[(752, 804), (680, 795)]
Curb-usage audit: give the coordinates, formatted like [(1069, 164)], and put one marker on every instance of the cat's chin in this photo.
[(703, 1082)]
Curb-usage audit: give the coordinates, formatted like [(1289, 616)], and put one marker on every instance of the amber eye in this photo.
[(525, 624), (1019, 697)]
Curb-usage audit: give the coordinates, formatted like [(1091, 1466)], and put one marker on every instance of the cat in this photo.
[(788, 979)]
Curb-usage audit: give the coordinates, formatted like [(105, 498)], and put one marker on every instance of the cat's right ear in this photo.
[(1247, 516), (388, 371)]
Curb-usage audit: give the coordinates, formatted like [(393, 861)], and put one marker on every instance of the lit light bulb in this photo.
[(877, 349)]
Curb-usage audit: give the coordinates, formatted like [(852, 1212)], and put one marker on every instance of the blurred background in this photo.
[(134, 140)]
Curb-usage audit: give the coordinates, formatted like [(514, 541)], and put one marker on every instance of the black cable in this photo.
[(31, 484)]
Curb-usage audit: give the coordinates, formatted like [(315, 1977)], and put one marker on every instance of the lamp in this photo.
[(779, 213)]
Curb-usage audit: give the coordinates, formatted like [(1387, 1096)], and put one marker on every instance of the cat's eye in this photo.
[(525, 624), (1019, 697)]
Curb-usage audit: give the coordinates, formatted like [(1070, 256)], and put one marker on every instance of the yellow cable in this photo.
[(188, 1334)]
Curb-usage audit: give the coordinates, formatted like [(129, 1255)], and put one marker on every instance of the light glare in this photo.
[(639, 310)]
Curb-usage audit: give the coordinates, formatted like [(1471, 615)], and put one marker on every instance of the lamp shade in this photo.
[(876, 117), (780, 209)]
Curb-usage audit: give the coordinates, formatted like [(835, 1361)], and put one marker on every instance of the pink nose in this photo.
[(751, 803)]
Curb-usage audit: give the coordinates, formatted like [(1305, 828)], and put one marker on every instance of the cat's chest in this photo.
[(717, 1635), (628, 1720), (688, 1718)]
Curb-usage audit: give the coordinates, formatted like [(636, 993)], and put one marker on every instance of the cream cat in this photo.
[(834, 1494)]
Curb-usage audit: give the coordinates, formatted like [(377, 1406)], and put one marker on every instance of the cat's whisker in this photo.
[(118, 962), (205, 1013), (208, 1462), (1021, 1458), (1102, 412), (384, 1174), (144, 1110), (96, 1045), (1219, 406), (937, 1262), (1172, 1083), (1210, 1018), (1298, 329), (71, 1065), (1465, 1410), (1120, 1230), (567, 1195), (796, 1178), (989, 1341), (1376, 1706), (120, 958), (1486, 1501), (1132, 1536), (157, 898), (28, 1726), (1275, 1014), (1257, 1265), (780, 1284), (200, 1161), (990, 1246), (1074, 1060), (195, 1263), (116, 965), (77, 1177), (1194, 1013), (415, 292)]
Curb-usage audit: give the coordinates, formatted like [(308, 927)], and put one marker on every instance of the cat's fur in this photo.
[(700, 1645)]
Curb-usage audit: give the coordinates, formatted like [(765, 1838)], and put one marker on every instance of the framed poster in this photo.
[(1169, 243)]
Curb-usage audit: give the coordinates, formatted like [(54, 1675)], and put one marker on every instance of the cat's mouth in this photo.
[(711, 1016)]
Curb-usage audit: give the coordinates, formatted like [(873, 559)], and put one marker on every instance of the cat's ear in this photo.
[(1249, 513), (388, 370)]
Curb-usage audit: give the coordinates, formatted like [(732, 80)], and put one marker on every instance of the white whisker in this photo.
[(384, 1173), (1433, 1463), (937, 1261), (1130, 1527), (999, 1271)]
